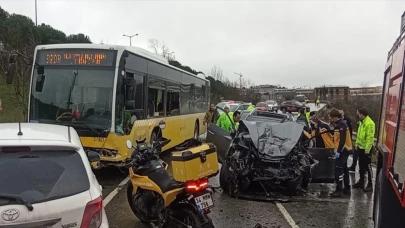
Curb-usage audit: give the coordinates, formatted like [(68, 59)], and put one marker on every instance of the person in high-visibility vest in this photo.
[(225, 120), (318, 102), (364, 145), (251, 107)]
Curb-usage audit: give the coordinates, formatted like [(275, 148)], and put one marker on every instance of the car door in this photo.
[(218, 136), (325, 171)]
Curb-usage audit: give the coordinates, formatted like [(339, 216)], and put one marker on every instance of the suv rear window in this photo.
[(39, 176)]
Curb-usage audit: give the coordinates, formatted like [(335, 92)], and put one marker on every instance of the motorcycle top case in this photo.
[(195, 163)]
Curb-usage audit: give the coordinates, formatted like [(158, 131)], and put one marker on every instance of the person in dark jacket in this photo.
[(322, 140), (355, 154), (343, 146), (348, 122)]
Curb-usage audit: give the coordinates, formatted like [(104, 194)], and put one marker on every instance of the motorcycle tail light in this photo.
[(196, 186)]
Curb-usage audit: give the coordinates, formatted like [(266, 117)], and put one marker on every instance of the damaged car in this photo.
[(268, 154)]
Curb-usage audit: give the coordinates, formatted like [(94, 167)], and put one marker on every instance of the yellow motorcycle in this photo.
[(155, 197)]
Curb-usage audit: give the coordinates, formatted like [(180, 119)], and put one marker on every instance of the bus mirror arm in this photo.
[(11, 64)]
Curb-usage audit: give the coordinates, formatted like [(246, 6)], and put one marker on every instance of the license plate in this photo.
[(204, 202)]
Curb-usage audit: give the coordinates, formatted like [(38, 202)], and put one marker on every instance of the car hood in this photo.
[(273, 139)]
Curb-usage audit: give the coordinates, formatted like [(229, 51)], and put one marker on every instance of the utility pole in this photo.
[(240, 80), (36, 18), (130, 38)]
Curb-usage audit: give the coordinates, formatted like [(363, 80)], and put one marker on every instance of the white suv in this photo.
[(46, 179)]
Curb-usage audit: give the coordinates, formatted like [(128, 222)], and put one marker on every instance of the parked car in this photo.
[(292, 106), (273, 106), (262, 106), (49, 178), (222, 139), (239, 107)]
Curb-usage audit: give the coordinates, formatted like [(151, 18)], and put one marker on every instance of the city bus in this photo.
[(389, 195), (111, 94)]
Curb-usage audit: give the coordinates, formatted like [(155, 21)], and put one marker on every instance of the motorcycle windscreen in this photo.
[(273, 140)]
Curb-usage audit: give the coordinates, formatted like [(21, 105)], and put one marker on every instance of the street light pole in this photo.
[(36, 18), (130, 38)]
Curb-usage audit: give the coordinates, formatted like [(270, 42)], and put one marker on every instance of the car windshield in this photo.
[(38, 176), (88, 91), (271, 102), (261, 104), (233, 107)]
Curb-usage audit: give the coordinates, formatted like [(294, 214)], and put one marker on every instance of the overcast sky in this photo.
[(292, 43)]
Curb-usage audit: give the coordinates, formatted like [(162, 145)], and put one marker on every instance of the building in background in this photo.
[(366, 90), (331, 92)]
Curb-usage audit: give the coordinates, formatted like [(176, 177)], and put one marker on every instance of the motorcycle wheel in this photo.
[(132, 200), (188, 217)]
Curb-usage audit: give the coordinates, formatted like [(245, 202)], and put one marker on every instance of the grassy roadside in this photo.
[(11, 111)]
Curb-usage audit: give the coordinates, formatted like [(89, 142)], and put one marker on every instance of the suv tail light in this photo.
[(196, 186), (93, 214)]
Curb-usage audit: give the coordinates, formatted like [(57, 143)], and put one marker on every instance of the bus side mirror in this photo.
[(40, 70), (13, 58), (10, 73)]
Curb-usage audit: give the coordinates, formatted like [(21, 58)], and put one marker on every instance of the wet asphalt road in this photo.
[(316, 209)]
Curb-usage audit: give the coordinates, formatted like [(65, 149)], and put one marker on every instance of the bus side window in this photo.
[(173, 99), (156, 97), (134, 98)]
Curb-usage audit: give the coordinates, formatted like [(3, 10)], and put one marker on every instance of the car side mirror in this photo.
[(93, 156)]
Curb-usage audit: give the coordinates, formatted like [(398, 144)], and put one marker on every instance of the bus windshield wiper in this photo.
[(17, 199), (92, 129)]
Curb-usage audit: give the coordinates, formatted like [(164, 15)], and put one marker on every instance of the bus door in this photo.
[(135, 115)]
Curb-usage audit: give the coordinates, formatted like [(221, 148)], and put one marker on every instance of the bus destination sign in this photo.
[(73, 57)]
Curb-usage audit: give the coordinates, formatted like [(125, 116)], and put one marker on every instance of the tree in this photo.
[(19, 33), (217, 73), (78, 38), (49, 35), (159, 48)]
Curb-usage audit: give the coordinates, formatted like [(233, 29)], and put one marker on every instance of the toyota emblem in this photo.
[(10, 214)]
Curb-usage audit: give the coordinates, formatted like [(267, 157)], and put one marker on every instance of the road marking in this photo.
[(115, 191), (287, 216)]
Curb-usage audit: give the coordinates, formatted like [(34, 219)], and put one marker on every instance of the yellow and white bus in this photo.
[(110, 94)]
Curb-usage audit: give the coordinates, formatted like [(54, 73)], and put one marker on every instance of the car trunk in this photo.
[(65, 212)]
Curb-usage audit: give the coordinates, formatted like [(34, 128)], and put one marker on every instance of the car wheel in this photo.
[(223, 176)]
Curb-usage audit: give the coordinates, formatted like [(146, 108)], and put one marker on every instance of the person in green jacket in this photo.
[(225, 120), (318, 102), (251, 107), (364, 145)]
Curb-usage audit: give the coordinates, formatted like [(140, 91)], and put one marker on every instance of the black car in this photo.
[(222, 139)]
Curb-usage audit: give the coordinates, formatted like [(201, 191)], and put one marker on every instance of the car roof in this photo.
[(42, 134)]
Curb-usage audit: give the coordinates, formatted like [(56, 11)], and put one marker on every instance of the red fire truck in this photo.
[(389, 196)]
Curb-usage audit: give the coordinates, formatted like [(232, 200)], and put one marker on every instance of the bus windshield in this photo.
[(85, 92)]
